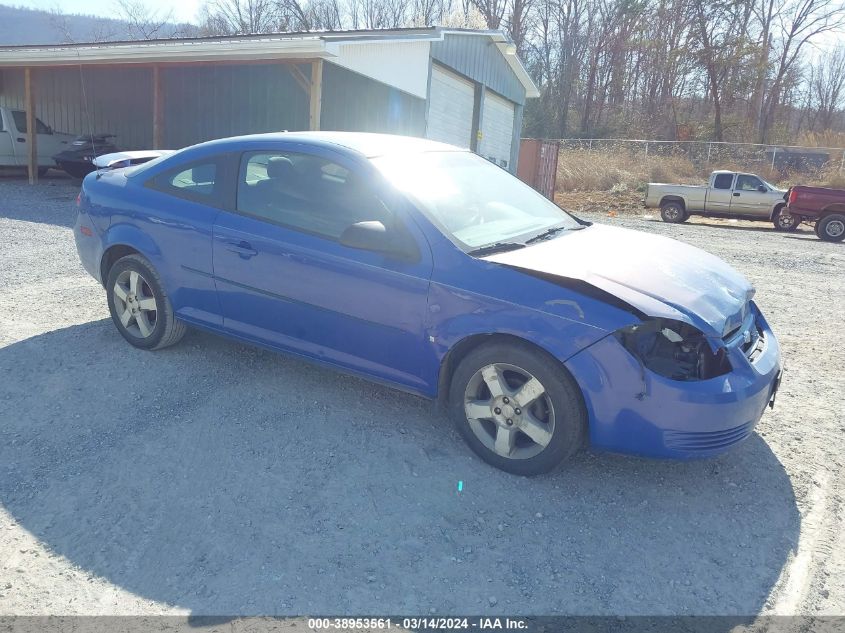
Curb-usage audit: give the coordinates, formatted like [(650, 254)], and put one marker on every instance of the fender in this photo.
[(124, 234), (459, 320)]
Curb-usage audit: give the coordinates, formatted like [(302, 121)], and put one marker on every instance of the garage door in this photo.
[(496, 129), (451, 103)]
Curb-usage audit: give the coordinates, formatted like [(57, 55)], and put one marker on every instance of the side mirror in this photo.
[(372, 235), (762, 189)]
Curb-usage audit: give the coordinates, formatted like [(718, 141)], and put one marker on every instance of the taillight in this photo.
[(793, 196), (79, 199)]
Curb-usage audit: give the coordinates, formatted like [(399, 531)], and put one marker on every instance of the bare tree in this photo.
[(238, 17), (142, 22), (827, 89), (798, 23)]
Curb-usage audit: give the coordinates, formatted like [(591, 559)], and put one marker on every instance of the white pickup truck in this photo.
[(14, 141), (728, 194)]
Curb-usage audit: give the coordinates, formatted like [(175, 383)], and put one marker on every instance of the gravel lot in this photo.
[(215, 478)]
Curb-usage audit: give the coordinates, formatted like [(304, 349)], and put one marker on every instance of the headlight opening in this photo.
[(674, 350)]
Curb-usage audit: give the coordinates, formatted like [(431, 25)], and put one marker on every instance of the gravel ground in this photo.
[(215, 478)]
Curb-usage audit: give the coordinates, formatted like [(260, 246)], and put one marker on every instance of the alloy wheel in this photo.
[(509, 411), (835, 228), (135, 303), (785, 220)]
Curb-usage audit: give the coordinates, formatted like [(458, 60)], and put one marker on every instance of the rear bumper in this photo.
[(646, 414)]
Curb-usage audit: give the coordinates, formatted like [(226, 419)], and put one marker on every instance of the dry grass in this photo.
[(614, 182), (623, 172), (588, 170), (823, 139)]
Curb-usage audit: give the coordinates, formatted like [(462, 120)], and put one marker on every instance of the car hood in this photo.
[(658, 276)]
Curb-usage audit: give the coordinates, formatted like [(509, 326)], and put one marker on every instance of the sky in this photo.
[(183, 10)]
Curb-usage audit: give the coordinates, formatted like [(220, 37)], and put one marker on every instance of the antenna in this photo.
[(87, 112)]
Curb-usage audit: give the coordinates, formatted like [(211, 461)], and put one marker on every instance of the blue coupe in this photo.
[(429, 269)]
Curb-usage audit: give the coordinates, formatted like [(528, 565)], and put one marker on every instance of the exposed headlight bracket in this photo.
[(674, 350)]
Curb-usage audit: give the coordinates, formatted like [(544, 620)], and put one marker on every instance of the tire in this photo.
[(831, 228), (42, 171), (151, 323), (785, 221), (673, 212), (556, 417)]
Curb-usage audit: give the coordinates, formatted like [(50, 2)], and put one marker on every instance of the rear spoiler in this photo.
[(118, 160)]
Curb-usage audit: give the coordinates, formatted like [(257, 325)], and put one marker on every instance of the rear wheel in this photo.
[(785, 221), (831, 228), (139, 307), (673, 212), (517, 408)]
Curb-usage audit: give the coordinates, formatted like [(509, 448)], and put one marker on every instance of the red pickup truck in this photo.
[(824, 206)]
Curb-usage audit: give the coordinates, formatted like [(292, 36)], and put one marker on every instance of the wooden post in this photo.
[(31, 130), (316, 94), (158, 109)]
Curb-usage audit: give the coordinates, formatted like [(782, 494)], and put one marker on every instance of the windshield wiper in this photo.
[(498, 247), (550, 233)]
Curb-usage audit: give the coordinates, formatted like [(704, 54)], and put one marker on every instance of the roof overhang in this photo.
[(164, 51), (283, 46)]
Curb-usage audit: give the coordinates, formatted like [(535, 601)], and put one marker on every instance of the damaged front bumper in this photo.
[(634, 410)]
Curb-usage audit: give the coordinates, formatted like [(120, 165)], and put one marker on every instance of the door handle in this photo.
[(242, 248), (21, 140), (736, 194)]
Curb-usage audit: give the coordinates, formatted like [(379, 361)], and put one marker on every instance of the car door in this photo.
[(283, 277), (719, 194), (176, 207), (750, 197), (45, 146)]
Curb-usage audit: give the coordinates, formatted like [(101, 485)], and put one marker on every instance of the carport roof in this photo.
[(274, 46)]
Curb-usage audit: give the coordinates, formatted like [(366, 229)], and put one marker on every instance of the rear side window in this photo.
[(723, 181), (199, 182), (306, 193)]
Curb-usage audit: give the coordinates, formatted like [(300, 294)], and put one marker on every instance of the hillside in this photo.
[(29, 26)]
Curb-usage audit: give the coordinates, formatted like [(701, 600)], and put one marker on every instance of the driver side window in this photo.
[(747, 183), (306, 193)]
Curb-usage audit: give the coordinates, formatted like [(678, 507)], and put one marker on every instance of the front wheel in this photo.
[(673, 212), (831, 228), (139, 307), (785, 221), (517, 408)]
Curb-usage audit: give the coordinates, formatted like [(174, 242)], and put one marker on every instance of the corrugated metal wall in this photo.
[(352, 102), (480, 60), (203, 102), (117, 101), (207, 102)]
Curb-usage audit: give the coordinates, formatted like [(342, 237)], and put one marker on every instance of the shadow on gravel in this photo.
[(51, 201), (756, 229), (229, 480)]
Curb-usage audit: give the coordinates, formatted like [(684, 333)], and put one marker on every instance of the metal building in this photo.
[(463, 87)]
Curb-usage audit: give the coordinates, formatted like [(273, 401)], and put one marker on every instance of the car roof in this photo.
[(366, 144)]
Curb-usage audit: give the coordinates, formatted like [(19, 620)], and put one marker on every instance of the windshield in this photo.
[(475, 203)]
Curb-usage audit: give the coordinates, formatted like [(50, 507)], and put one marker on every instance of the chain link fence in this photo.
[(716, 155)]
